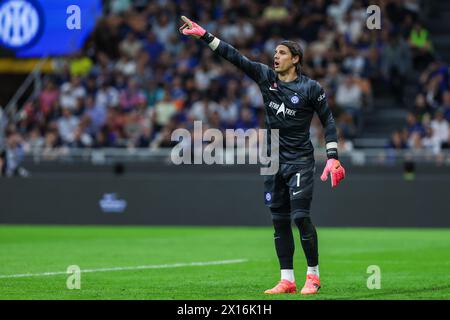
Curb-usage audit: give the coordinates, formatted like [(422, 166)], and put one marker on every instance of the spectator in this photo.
[(174, 45), (349, 94), (51, 145), (347, 126), (48, 97), (332, 78), (337, 9), (313, 16), (433, 91), (163, 139), (413, 125), (431, 140), (201, 110), (126, 65), (419, 40), (350, 27), (130, 46), (107, 96), (165, 109), (102, 140), (354, 62), (204, 73), (397, 142), (440, 127), (216, 122), (131, 97), (119, 6), (80, 65), (349, 97), (446, 144), (134, 124), (396, 59), (153, 93), (163, 28), (81, 139), (446, 105), (153, 47), (415, 141), (275, 12), (34, 142), (246, 119), (67, 125), (71, 92), (421, 108), (96, 115), (228, 112), (253, 93), (145, 137), (13, 156)]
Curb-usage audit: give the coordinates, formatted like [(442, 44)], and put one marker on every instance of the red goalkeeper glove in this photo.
[(336, 171), (190, 28)]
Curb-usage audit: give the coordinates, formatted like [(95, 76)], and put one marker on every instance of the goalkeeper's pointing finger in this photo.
[(187, 20)]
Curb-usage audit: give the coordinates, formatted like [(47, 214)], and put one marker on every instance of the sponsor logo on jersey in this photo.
[(282, 109), (295, 99), (321, 97), (268, 197)]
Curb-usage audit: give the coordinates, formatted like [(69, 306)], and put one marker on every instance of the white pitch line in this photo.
[(160, 266)]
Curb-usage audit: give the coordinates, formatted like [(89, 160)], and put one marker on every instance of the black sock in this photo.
[(308, 237), (284, 243)]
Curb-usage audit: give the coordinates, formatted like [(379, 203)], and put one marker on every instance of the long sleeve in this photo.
[(320, 103), (255, 70)]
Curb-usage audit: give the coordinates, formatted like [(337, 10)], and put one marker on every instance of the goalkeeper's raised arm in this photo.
[(255, 70)]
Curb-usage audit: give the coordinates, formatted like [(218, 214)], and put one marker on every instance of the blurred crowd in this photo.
[(137, 78), (427, 122)]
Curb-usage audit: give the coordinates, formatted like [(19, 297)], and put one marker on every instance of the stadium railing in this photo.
[(358, 157)]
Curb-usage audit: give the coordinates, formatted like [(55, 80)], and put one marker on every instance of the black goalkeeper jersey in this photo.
[(289, 106)]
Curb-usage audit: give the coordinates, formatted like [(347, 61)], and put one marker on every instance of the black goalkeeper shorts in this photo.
[(289, 192)]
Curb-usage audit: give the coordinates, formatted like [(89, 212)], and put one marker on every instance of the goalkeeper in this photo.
[(290, 100)]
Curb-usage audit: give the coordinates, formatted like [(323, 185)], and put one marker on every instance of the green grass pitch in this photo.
[(414, 263)]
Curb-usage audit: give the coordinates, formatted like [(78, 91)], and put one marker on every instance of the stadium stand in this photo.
[(137, 78)]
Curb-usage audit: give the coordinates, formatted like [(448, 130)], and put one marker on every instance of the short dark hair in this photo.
[(296, 50)]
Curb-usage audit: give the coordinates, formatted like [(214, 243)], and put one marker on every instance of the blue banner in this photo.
[(37, 28)]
